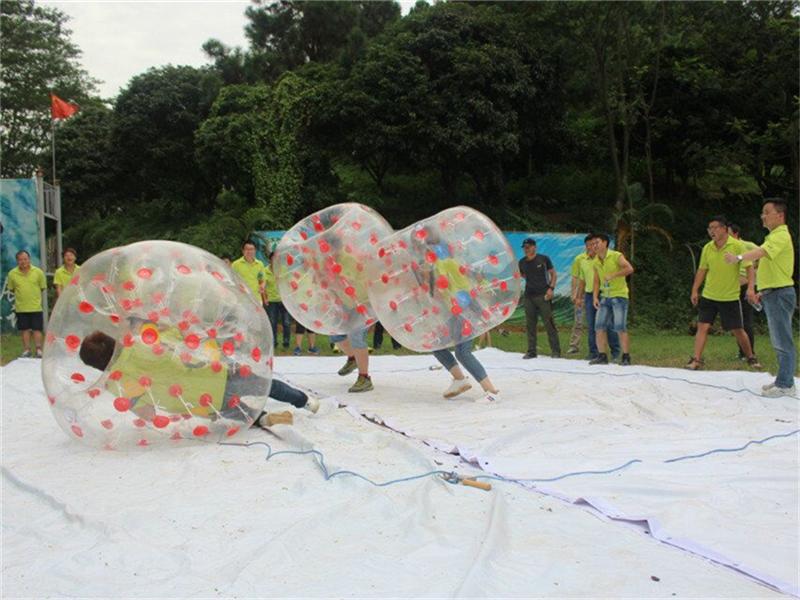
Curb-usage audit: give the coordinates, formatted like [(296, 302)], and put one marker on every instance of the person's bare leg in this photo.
[(700, 339), (624, 342), (457, 373), (362, 358), (744, 342), (488, 386), (601, 337), (26, 340)]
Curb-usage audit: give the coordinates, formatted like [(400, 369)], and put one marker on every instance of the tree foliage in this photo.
[(37, 56), (634, 117)]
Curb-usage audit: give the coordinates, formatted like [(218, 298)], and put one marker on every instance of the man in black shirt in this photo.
[(540, 281)]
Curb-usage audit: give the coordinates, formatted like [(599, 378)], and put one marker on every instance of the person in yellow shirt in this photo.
[(252, 272), (747, 308), (576, 294), (611, 269), (27, 282), (776, 292), (450, 286), (157, 386), (276, 311), (720, 281), (67, 271)]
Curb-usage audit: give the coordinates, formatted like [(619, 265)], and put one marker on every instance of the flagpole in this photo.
[(53, 138)]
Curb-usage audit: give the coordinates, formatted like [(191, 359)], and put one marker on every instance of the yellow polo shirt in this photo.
[(776, 268), (722, 278), (252, 273), (27, 288)]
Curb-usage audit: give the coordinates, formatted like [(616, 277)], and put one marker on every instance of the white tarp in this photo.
[(212, 520)]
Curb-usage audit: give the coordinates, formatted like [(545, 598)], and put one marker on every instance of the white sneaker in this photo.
[(777, 392), (491, 397), (312, 404), (458, 386), (767, 387), (26, 354)]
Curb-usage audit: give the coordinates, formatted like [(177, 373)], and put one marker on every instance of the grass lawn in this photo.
[(663, 349)]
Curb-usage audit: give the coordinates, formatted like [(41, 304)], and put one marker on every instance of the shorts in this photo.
[(30, 320), (298, 328), (612, 315), (730, 313), (358, 339)]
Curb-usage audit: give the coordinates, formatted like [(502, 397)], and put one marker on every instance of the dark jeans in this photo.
[(747, 319), (535, 306), (591, 315), (278, 314), (377, 337), (254, 385)]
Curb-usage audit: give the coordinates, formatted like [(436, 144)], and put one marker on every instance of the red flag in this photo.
[(59, 109)]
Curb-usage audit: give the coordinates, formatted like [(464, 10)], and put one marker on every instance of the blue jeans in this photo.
[(465, 357), (358, 338), (779, 305), (278, 314), (591, 314), (612, 314)]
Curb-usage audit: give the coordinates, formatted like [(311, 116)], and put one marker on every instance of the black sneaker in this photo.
[(626, 360), (602, 359), (528, 355)]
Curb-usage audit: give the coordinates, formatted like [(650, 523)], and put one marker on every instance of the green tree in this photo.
[(37, 56), (155, 119), (231, 145), (88, 176)]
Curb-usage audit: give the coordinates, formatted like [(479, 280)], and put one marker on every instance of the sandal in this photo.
[(695, 364), (753, 362)]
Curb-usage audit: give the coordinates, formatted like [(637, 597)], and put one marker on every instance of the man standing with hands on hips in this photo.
[(776, 292)]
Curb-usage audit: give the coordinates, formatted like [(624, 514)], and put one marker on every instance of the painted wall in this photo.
[(20, 231)]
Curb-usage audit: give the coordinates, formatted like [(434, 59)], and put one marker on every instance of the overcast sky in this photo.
[(122, 39)]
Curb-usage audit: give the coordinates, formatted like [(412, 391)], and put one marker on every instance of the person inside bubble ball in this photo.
[(353, 344), (203, 385), (447, 279)]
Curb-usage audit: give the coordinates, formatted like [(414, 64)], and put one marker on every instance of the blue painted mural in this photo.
[(19, 230)]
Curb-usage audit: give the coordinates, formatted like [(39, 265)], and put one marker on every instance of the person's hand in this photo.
[(579, 300), (753, 297), (548, 295), (730, 258), (596, 303), (695, 297)]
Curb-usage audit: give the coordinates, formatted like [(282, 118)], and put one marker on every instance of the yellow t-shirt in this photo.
[(576, 264), (166, 370), (617, 287), (722, 278), (448, 269), (27, 288), (586, 272), (776, 268), (273, 295), (253, 274), (62, 277)]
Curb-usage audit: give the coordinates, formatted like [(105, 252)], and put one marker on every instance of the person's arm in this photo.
[(548, 295), (596, 290), (752, 296), (699, 277), (574, 287), (750, 255), (626, 269)]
